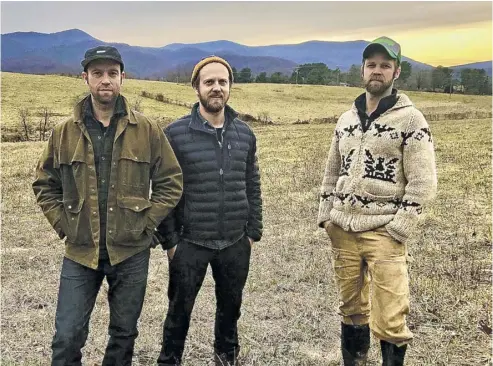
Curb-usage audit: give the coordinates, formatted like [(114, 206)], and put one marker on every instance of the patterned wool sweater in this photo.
[(383, 176)]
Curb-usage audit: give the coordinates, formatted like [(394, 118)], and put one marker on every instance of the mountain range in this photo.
[(61, 52)]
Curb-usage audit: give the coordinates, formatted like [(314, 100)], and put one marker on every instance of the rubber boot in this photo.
[(355, 343), (391, 354)]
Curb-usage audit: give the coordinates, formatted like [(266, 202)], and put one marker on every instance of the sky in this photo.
[(437, 33)]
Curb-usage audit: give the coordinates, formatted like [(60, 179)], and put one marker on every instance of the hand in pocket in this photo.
[(171, 253)]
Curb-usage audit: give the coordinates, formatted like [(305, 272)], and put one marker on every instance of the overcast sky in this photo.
[(434, 32)]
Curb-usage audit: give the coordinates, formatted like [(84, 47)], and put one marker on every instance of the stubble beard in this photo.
[(105, 100)]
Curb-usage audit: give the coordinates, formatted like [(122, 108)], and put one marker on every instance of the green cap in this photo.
[(392, 48)]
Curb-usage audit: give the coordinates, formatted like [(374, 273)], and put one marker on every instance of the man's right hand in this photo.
[(59, 230), (171, 253)]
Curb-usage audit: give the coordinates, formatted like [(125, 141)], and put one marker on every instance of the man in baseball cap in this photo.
[(93, 185), (380, 173)]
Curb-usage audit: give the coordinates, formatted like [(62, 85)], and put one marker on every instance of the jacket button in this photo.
[(112, 186), (69, 207), (94, 213), (136, 207), (111, 208), (110, 231)]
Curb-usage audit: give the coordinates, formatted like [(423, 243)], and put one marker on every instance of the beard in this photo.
[(106, 98), (378, 86), (212, 104)]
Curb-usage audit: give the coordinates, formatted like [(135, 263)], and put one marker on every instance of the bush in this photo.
[(146, 94), (137, 105), (264, 117)]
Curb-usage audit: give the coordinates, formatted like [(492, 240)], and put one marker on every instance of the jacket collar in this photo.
[(121, 107), (197, 123)]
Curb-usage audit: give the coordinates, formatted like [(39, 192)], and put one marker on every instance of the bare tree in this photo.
[(44, 123), (24, 116)]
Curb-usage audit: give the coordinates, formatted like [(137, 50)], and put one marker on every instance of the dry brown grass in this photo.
[(289, 312), (285, 104)]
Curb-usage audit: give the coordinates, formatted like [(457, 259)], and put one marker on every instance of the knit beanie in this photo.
[(208, 60)]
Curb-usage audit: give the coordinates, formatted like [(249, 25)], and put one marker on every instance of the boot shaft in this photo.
[(355, 343), (392, 355)]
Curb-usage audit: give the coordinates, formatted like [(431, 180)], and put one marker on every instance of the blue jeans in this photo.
[(79, 287)]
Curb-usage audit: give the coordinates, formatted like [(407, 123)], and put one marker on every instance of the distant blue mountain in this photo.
[(486, 65), (61, 52), (333, 54), (31, 52)]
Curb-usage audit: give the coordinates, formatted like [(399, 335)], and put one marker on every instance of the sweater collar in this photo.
[(383, 105)]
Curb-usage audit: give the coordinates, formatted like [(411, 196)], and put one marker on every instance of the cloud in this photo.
[(253, 23)]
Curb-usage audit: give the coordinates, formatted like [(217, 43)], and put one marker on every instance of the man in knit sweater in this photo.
[(380, 173)]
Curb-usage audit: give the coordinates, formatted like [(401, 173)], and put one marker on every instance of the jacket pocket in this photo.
[(132, 218), (73, 222), (134, 172), (378, 190), (73, 162), (237, 156)]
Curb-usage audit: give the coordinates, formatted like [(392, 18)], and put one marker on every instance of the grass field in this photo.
[(283, 104), (289, 312)]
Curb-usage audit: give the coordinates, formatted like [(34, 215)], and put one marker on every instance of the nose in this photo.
[(216, 86), (106, 79)]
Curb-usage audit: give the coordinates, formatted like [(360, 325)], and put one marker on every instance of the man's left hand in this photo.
[(250, 240)]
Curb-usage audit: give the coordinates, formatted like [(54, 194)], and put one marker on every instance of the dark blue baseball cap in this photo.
[(102, 52)]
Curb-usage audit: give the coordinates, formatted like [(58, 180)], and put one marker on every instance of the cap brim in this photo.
[(87, 61)]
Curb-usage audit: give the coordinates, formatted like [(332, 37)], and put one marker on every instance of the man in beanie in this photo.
[(219, 216), (380, 173), (93, 182)]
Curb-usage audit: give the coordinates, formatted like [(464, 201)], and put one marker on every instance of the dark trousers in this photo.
[(187, 272), (79, 287)]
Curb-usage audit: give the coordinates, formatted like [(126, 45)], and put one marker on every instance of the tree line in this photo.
[(438, 79)]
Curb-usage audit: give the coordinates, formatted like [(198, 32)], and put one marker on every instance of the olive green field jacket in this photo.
[(145, 184)]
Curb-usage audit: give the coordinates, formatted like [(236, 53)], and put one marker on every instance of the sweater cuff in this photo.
[(402, 226), (324, 211)]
